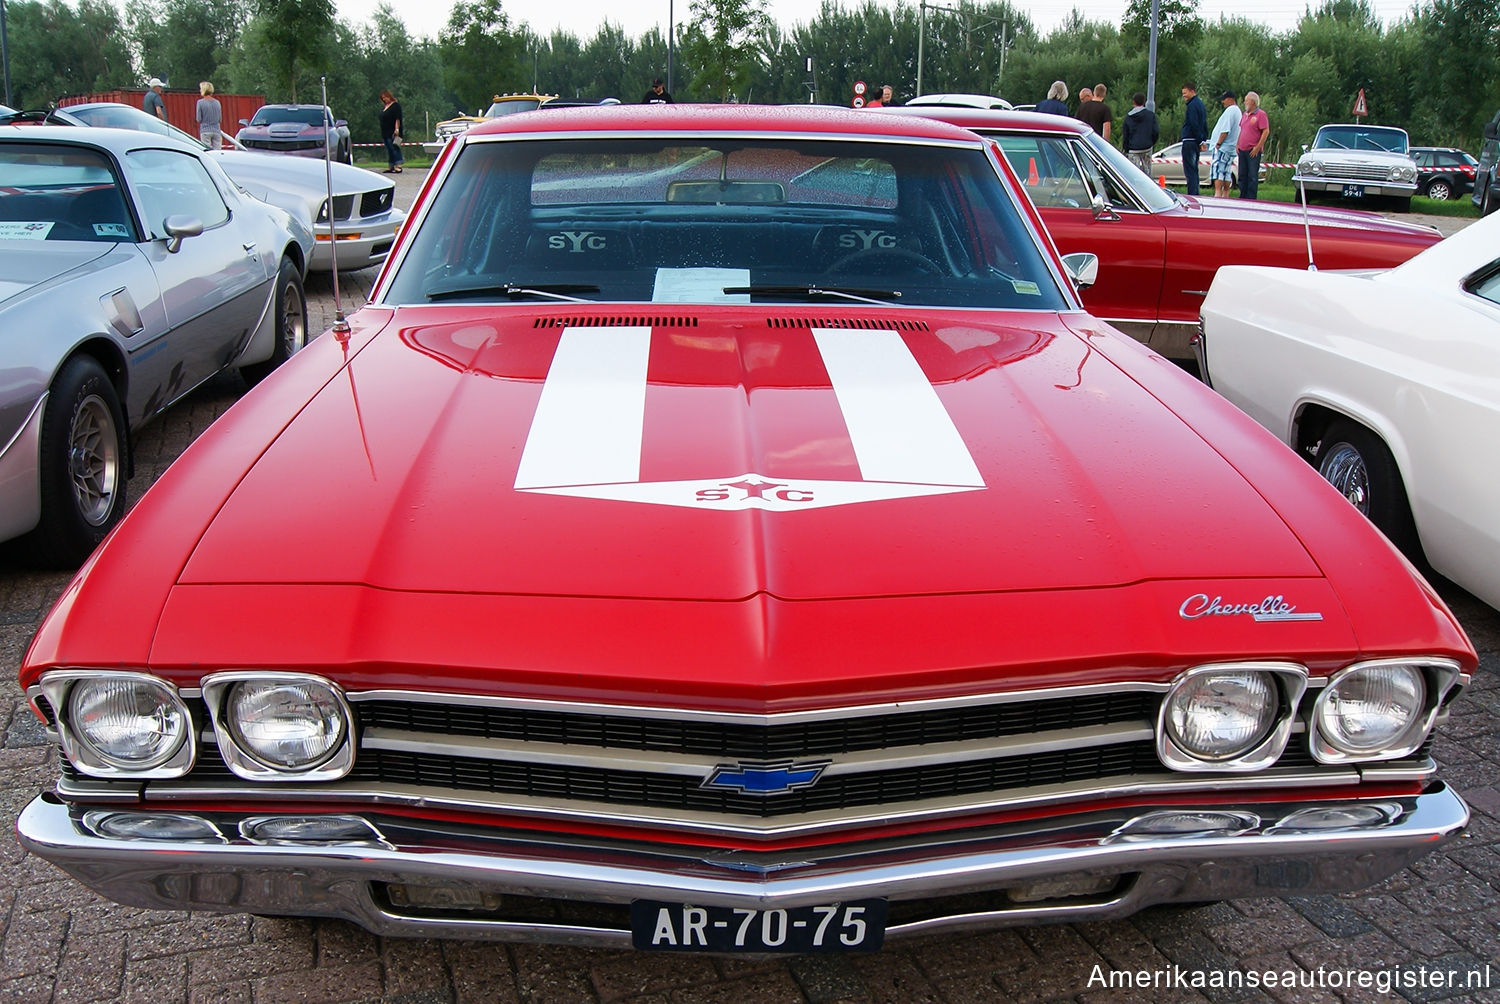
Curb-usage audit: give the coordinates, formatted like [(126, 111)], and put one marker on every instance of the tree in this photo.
[(56, 50), (295, 40), (185, 41), (481, 54), (720, 38)]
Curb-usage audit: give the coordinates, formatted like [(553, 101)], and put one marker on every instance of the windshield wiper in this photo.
[(819, 292), (550, 291)]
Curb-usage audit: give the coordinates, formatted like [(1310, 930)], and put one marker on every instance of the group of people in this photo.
[(1237, 141), (209, 113), (1236, 144)]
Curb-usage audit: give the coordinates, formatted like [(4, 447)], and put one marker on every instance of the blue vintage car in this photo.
[(131, 271)]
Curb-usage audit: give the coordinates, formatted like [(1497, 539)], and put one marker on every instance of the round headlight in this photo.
[(286, 725), (128, 723), (1315, 167), (1372, 709), (1217, 716)]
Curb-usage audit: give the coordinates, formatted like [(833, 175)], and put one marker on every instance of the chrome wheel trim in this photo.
[(94, 460), (1440, 191), (1344, 468), (293, 320)]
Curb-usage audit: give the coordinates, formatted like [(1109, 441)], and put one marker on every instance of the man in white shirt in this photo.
[(1225, 135)]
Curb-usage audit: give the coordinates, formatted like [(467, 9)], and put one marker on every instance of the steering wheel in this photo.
[(896, 260)]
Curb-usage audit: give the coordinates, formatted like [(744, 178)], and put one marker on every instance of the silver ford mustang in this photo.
[(131, 271)]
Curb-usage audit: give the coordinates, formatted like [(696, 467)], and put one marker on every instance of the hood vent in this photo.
[(871, 324), (615, 322)]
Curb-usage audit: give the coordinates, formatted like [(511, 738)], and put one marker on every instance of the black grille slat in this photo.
[(614, 321), (646, 790), (862, 323), (800, 739)]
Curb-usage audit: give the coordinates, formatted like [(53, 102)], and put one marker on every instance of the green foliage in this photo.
[(295, 42), (481, 55), (57, 49), (720, 41), (186, 41)]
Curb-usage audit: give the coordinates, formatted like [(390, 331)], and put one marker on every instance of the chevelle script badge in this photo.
[(1272, 608)]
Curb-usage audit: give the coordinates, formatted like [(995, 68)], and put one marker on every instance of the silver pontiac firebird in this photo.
[(131, 271)]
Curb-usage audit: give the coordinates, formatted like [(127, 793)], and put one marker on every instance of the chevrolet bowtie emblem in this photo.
[(765, 778)]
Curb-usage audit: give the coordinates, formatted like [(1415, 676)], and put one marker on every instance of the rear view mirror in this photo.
[(1492, 128), (727, 193)]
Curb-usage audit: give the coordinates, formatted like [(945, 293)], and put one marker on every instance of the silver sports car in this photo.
[(365, 217), (131, 271)]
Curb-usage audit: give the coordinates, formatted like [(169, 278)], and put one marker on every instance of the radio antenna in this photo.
[(1306, 224), (340, 326)]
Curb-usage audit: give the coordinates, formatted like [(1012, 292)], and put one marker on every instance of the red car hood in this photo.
[(717, 453), (1285, 213)]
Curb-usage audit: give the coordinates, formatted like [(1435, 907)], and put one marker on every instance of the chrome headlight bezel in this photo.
[(1438, 675), (59, 686), (1288, 682), (244, 762)]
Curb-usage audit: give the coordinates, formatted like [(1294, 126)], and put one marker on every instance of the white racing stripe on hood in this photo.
[(587, 428), (900, 430)]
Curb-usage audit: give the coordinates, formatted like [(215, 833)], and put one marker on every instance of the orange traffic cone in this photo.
[(1031, 175), (1161, 179)]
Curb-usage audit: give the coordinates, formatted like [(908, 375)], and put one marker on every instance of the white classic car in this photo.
[(1389, 382), (1355, 161)]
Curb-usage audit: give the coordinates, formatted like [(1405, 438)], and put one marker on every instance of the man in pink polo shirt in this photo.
[(1254, 128)]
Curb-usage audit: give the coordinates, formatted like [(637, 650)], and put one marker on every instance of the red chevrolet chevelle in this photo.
[(725, 531)]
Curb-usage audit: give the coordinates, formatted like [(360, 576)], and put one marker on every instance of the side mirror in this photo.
[(1304, 147), (178, 227), (244, 121), (1492, 128), (1082, 267), (1103, 210), (340, 123)]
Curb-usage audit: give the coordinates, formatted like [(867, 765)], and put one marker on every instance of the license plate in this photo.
[(1354, 191), (855, 926)]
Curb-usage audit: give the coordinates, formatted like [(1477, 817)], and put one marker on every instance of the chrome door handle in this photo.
[(249, 247)]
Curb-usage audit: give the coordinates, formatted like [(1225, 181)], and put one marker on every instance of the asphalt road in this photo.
[(58, 942)]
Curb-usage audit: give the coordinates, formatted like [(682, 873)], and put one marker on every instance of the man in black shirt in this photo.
[(1140, 133), (657, 95)]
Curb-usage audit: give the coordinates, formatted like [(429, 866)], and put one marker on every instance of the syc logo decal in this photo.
[(576, 241), (864, 240)]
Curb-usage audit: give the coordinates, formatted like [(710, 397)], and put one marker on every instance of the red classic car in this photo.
[(723, 530), (1158, 249)]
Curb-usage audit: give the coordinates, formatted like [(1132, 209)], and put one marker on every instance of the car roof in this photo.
[(819, 119), (990, 120), (114, 140)]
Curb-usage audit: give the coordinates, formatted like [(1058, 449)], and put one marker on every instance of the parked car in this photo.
[(1486, 194), (961, 101), (1158, 250), (1356, 161), (133, 270), (1348, 370), (504, 104), (365, 218), (1166, 164), (725, 531), (299, 130), (1443, 172)]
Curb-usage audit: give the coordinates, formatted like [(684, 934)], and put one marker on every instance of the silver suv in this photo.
[(1357, 161)]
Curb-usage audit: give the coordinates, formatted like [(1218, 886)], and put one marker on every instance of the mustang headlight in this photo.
[(118, 724), (281, 726), (1229, 717), (1372, 711)]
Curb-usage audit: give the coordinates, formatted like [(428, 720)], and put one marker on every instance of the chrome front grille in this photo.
[(1360, 172)]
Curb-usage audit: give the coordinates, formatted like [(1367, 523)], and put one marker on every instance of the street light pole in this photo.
[(671, 33), (5, 54)]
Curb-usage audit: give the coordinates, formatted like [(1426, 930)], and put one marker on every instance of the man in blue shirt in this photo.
[(1194, 132)]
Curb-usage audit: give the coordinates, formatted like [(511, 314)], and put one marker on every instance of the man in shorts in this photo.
[(1223, 144)]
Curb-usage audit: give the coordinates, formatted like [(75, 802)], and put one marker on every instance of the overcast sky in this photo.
[(583, 17)]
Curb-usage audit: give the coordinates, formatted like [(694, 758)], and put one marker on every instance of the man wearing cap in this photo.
[(657, 95), (152, 103), (1223, 147)]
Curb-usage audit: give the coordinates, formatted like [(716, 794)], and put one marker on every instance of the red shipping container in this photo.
[(182, 106)]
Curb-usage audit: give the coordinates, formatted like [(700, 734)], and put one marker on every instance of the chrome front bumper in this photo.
[(1325, 183), (1021, 873), (370, 247)]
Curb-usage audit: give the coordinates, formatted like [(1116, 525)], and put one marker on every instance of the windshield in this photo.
[(267, 114), (738, 221), (513, 105), (1360, 138), (126, 117), (52, 192)]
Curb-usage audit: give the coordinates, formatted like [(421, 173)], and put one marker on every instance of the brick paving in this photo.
[(58, 942)]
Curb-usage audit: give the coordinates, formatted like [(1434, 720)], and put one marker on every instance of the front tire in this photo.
[(1439, 190), (291, 323), (81, 467), (1359, 464)]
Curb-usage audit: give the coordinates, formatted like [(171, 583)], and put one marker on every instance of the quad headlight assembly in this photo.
[(116, 724), (1379, 710), (280, 726), (1234, 717)]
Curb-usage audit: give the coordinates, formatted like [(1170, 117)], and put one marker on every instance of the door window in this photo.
[(169, 183)]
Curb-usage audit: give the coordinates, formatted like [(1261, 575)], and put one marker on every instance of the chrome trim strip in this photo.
[(750, 827), (337, 880), (611, 758), (750, 718)]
